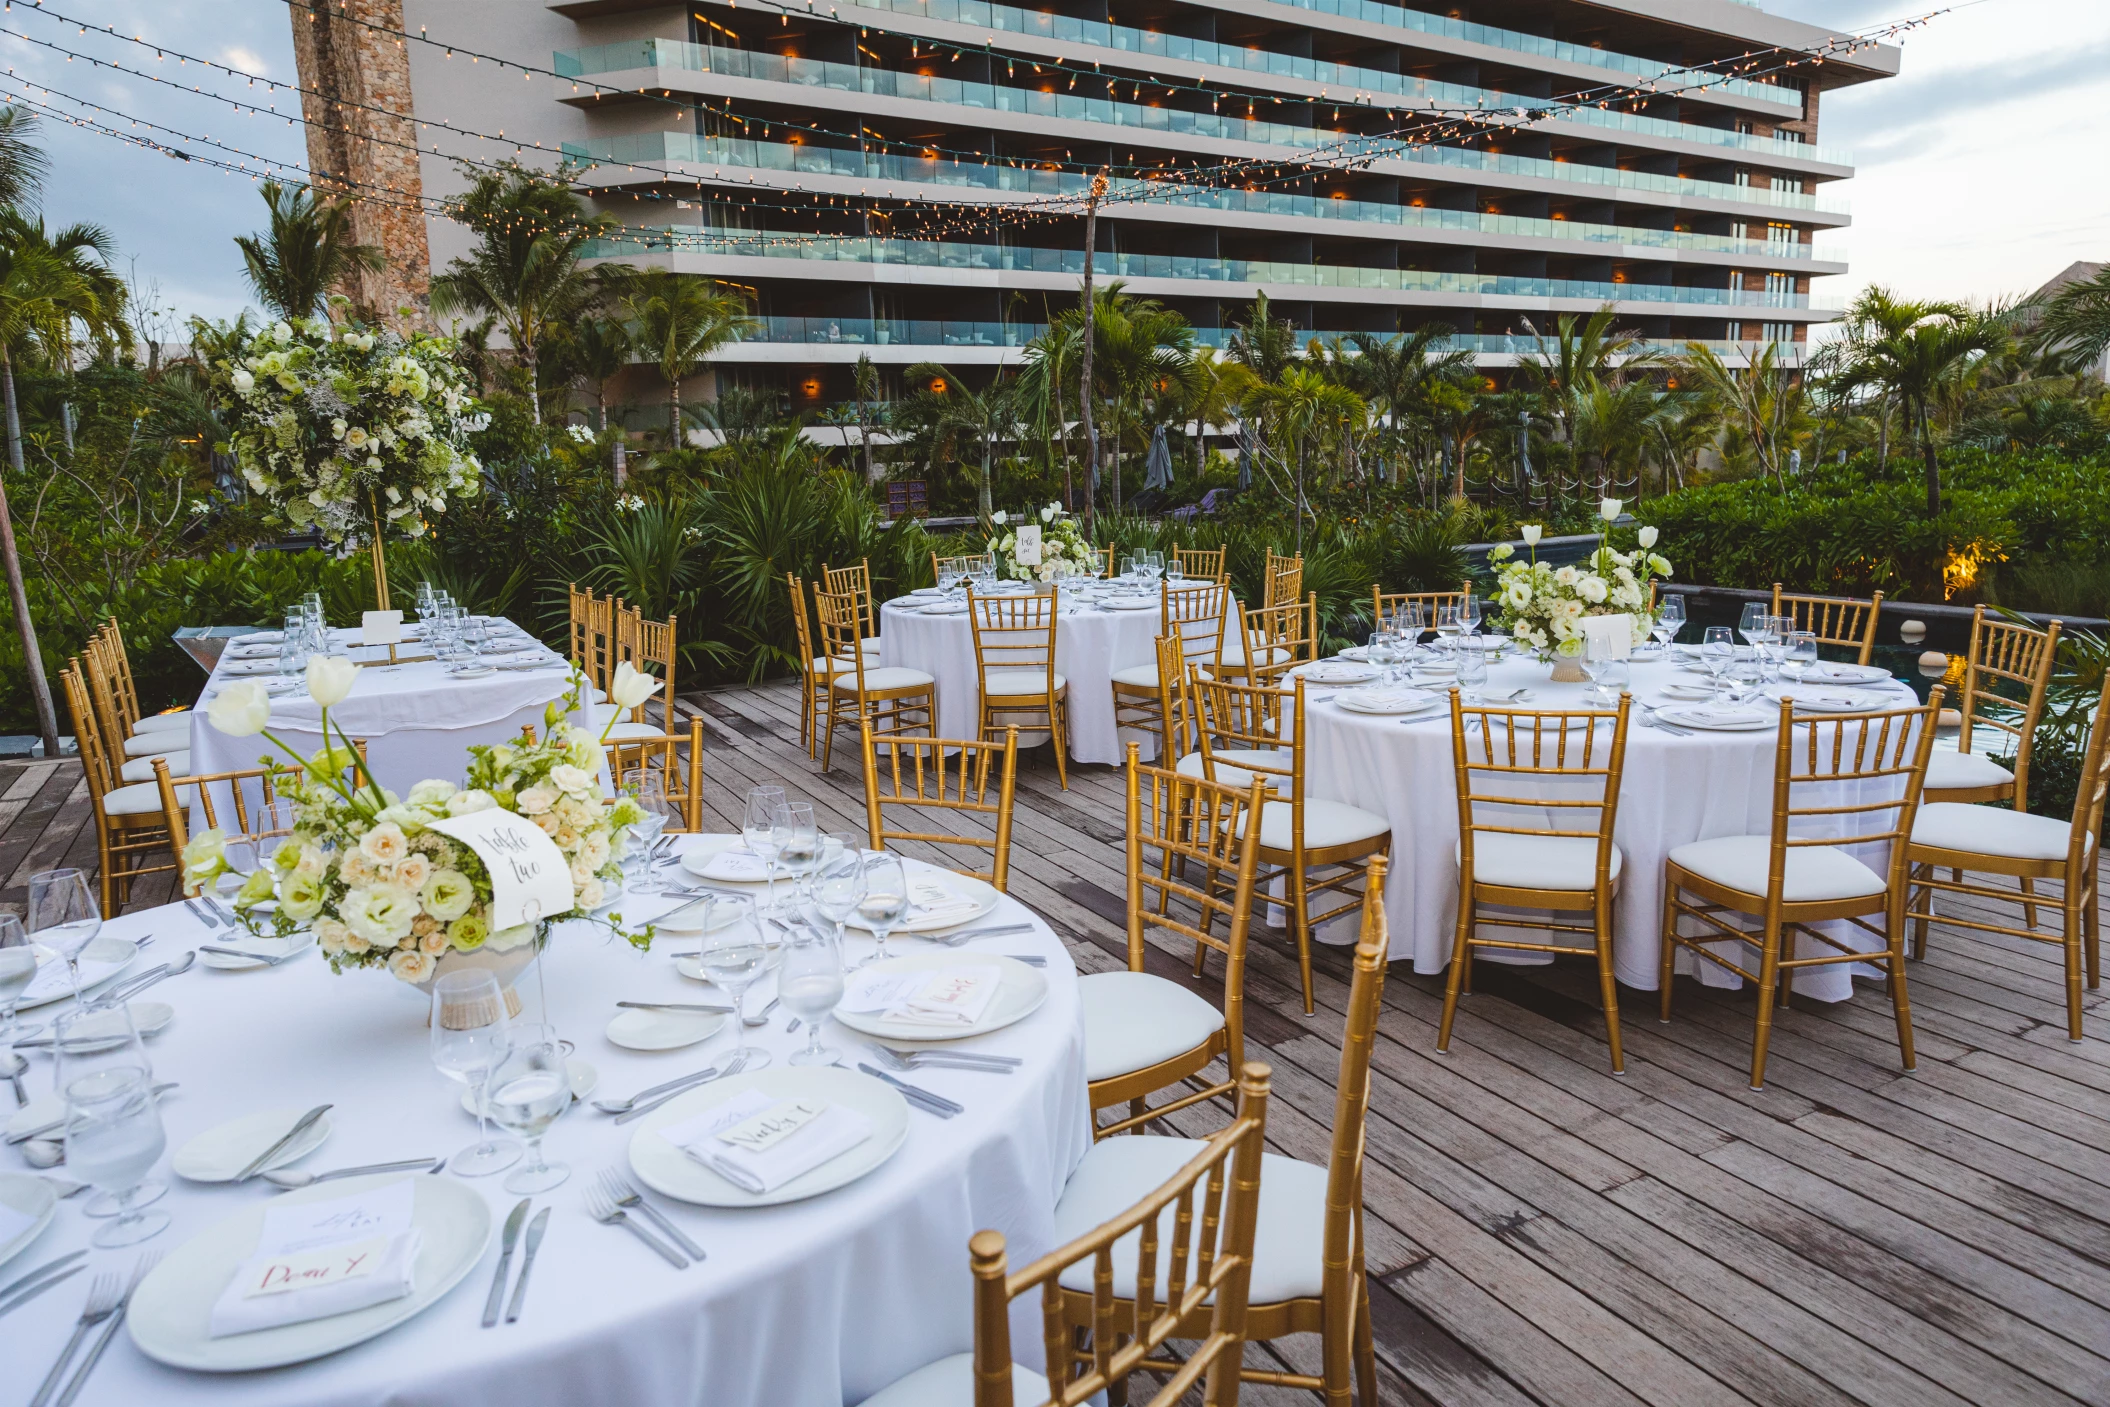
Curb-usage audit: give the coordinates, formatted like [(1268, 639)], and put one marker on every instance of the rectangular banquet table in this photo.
[(815, 1303)]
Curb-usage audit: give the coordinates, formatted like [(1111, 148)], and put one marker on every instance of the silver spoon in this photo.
[(294, 1177), (761, 1018), (16, 1065)]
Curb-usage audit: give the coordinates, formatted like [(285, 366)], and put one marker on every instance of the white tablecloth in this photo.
[(1676, 790), (814, 1304), (1090, 644), (417, 721)]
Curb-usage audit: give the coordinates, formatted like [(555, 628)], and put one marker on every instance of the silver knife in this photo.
[(40, 1272), (39, 1288), (201, 914), (505, 1260), (930, 1103), (527, 1264), (300, 1126)]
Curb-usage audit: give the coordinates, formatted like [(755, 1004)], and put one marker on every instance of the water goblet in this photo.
[(18, 968), (1175, 570), (529, 1088), (1472, 675), (1753, 622), (649, 790), (1799, 654), (734, 955), (469, 1022), (1670, 619), (1469, 615), (810, 982), (1717, 652), (885, 902), (64, 916), (758, 828), (798, 841), (98, 1054)]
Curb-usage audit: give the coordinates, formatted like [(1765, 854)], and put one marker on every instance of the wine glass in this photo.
[(1670, 619), (1469, 615), (469, 1023), (839, 881), (1717, 652), (1472, 675), (1383, 653), (798, 841), (734, 955), (810, 982), (529, 1088), (885, 902), (758, 829), (1175, 570), (1408, 621), (113, 1124), (1446, 621), (649, 790), (1753, 623), (64, 916), (1798, 654), (18, 968)]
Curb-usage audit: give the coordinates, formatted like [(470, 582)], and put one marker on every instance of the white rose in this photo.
[(567, 778), (536, 800), (430, 792), (629, 688), (384, 844), (1592, 589), (591, 893), (330, 679), (244, 382), (1647, 536), (464, 803), (240, 710), (410, 965), (412, 871), (594, 850)]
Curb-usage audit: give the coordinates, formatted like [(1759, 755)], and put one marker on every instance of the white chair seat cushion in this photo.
[(1231, 767), (1005, 682), (1134, 1020), (880, 680), (1326, 824), (1815, 873), (1234, 653), (949, 1382), (1948, 769), (632, 732), (138, 799), (155, 744), (141, 769), (162, 722), (869, 645), (822, 664), (1537, 861), (1116, 1174), (1987, 830), (1138, 676)]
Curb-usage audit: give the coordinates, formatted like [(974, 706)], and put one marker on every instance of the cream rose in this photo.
[(572, 780), (536, 800), (385, 844), (410, 965)]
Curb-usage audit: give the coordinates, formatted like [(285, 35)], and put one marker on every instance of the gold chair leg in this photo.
[(2071, 947), (1768, 986), (1923, 905), (1059, 735), (1670, 951), (1365, 1347), (1608, 984), (1301, 926), (2091, 929), (1900, 999), (1461, 959), (2029, 910)]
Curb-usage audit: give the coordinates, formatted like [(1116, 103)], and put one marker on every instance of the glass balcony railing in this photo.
[(747, 63), (920, 333), (660, 147), (949, 254)]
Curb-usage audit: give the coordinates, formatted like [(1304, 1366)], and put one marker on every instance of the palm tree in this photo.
[(23, 164), (867, 403), (1307, 411), (524, 272), (1140, 346), (1916, 364), (1612, 428), (1761, 408), (987, 416), (1396, 376), (677, 322), (593, 350), (1872, 317), (2077, 319), (307, 251), (1579, 353), (1263, 344)]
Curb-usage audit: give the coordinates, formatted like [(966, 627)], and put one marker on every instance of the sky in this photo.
[(1980, 169)]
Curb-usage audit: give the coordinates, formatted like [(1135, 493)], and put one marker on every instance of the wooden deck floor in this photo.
[(1542, 1232)]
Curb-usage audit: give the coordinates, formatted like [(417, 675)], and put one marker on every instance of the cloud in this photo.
[(247, 60), (1964, 93)]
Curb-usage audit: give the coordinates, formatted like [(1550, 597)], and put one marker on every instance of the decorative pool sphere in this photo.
[(1934, 664), (1913, 631)]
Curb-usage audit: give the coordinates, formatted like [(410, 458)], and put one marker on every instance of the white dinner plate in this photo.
[(1724, 718), (1130, 603), (1023, 990), (262, 947), (662, 1030), (1688, 693), (985, 896), (671, 1172), (1387, 702), (1347, 673), (584, 1077), (249, 669), (946, 608), (698, 851), (924, 593), (1355, 652), (219, 1153), (1820, 698), (169, 1316), (476, 671), (103, 961), (104, 1031), (28, 1196), (1830, 673)]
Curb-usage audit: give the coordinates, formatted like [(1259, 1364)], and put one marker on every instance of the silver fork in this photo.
[(103, 1297), (605, 1211), (140, 1268), (638, 1111), (625, 1193), (946, 1059)]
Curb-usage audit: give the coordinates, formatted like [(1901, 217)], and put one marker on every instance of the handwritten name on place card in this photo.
[(773, 1125), (305, 1270)]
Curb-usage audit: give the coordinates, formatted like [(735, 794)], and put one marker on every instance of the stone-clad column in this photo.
[(350, 69)]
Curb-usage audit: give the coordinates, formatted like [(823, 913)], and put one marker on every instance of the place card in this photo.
[(832, 1131), (381, 628), (931, 897), (946, 996), (529, 878), (773, 1125), (307, 1270), (317, 1259)]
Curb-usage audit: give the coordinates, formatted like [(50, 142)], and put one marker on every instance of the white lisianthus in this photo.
[(465, 803), (330, 678), (1646, 537), (240, 710), (205, 857), (430, 792), (1659, 565), (1530, 533), (255, 889), (447, 895), (1501, 552), (410, 965), (381, 915), (592, 894), (469, 932), (1517, 595), (300, 897), (384, 844)]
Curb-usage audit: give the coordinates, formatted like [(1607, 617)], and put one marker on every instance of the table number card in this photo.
[(381, 628), (1616, 631), (529, 878), (1026, 550)]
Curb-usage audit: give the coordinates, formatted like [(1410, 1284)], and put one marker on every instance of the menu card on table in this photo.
[(316, 1259), (529, 878), (758, 1142)]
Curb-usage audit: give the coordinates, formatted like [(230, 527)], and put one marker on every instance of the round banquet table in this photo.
[(815, 1303), (1091, 643), (1675, 790)]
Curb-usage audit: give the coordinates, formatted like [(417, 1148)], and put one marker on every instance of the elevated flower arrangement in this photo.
[(1544, 606), (1038, 546)]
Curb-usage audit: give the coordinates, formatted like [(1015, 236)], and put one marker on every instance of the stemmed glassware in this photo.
[(885, 902), (469, 1022), (1175, 572), (1383, 653), (528, 1089), (1469, 615), (758, 829), (1798, 654), (1670, 619), (1608, 673), (810, 982), (734, 955), (113, 1124), (798, 841), (839, 882), (1717, 652), (64, 916), (649, 790), (1446, 623), (18, 968), (1753, 623)]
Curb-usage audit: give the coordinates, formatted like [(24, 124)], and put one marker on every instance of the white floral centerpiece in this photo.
[(364, 869), (1051, 543), (1544, 605), (344, 427)]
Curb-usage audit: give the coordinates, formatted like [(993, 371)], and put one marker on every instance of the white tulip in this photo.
[(1610, 509), (630, 688), (999, 517), (1531, 533), (1646, 537), (240, 710), (330, 679)]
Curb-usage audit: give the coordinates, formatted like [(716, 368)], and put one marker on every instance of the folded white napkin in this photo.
[(1384, 700), (737, 864), (53, 980), (1835, 674), (1335, 673), (829, 1134), (345, 1253), (930, 898), (1719, 715), (945, 997)]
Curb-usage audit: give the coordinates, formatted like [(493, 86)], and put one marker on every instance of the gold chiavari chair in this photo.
[(129, 825), (1308, 1267), (1197, 563), (1859, 767), (815, 670), (579, 627), (120, 659), (1256, 732), (1284, 582), (1272, 641), (1014, 661), (249, 791), (931, 775), (959, 566), (1193, 618), (676, 758), (1143, 1032), (1513, 768), (1106, 562), (857, 581), (1188, 1277), (594, 642), (896, 696), (1834, 620), (132, 753), (648, 647), (2017, 845), (2022, 656), (1383, 603)]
